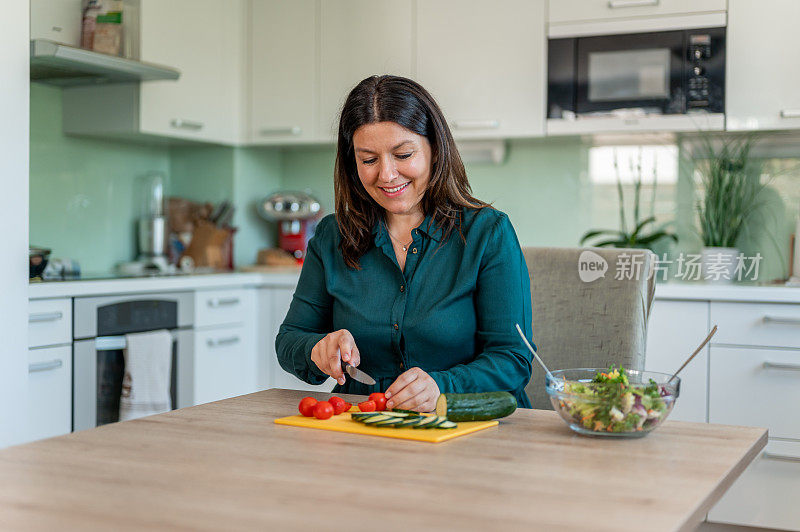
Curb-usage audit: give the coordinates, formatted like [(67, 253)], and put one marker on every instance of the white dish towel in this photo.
[(148, 367)]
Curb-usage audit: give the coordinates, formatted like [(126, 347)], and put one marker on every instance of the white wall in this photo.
[(14, 117)]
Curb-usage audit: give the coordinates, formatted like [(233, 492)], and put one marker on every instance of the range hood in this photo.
[(67, 66)]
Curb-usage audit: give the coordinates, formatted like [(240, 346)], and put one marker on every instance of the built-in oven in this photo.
[(668, 72), (100, 326)]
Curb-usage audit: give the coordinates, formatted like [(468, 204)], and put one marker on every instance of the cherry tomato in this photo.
[(323, 410), (367, 406), (348, 406), (338, 405), (380, 400), (306, 406)]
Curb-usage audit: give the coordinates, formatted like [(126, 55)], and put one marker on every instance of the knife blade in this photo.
[(357, 374)]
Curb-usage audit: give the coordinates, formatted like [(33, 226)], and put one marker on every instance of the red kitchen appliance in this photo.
[(296, 214)]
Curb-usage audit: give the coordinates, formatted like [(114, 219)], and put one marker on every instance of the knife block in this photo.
[(210, 246)]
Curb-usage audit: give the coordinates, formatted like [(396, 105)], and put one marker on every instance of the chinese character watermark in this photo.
[(687, 266)]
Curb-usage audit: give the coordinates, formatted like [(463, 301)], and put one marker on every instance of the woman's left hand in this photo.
[(413, 390)]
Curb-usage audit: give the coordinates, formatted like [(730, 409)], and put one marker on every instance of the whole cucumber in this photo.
[(475, 406)]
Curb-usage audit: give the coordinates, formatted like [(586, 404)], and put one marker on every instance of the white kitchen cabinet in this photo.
[(225, 306), (225, 349), (56, 20), (224, 363), (560, 11), (764, 495), (49, 322), (275, 302), (485, 64), (283, 71), (674, 330), (204, 39), (49, 404), (360, 38), (763, 51)]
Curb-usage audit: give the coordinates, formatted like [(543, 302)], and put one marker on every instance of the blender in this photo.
[(151, 228)]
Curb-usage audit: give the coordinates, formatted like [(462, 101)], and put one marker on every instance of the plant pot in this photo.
[(718, 265)]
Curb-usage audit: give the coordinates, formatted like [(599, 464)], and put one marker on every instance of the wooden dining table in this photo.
[(227, 466)]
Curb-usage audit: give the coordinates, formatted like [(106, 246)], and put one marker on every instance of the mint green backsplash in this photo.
[(82, 191), (83, 202)]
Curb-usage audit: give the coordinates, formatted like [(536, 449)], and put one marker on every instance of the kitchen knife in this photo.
[(357, 374)]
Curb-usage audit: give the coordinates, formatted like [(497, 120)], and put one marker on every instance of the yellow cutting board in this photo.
[(344, 423)]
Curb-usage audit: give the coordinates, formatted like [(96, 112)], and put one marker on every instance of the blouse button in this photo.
[(414, 251), (396, 326), (402, 288)]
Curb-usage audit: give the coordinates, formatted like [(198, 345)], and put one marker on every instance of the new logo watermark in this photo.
[(591, 266)]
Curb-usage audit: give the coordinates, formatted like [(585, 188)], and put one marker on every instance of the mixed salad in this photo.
[(610, 403)]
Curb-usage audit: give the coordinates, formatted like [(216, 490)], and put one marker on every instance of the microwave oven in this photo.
[(658, 73)]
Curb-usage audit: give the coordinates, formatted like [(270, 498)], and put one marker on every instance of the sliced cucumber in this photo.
[(391, 422), (358, 416), (395, 414), (446, 425), (409, 412), (427, 420), (410, 421), (376, 419)]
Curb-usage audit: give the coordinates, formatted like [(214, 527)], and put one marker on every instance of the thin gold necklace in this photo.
[(404, 246)]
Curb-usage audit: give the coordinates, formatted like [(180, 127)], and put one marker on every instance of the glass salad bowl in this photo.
[(612, 401)]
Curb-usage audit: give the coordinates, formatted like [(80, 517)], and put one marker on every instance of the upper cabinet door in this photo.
[(763, 51), (485, 66), (205, 41), (283, 70), (595, 10), (360, 38)]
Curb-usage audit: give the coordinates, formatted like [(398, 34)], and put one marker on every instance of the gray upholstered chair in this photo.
[(582, 319)]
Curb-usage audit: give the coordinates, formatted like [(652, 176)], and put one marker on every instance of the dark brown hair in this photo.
[(407, 103)]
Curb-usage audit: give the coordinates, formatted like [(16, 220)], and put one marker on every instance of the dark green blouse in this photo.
[(450, 312)]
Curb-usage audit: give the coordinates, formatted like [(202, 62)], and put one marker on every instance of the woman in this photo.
[(413, 279)]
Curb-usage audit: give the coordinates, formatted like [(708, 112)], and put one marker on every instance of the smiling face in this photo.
[(394, 165)]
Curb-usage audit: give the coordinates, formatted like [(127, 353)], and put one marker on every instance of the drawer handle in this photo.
[(44, 316), (223, 302), (790, 113), (45, 366), (614, 4), (222, 341), (178, 123), (270, 131), (476, 124), (776, 365), (783, 457), (782, 320)]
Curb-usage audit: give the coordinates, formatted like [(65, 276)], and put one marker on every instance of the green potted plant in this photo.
[(732, 184), (641, 234)]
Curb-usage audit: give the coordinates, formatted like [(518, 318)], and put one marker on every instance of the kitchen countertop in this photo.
[(226, 465), (288, 276), (278, 276)]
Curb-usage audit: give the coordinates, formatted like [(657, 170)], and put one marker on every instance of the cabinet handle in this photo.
[(45, 366), (776, 365), (790, 113), (178, 123), (222, 341), (476, 124), (270, 131), (223, 302), (783, 457), (44, 316), (614, 4), (781, 319)]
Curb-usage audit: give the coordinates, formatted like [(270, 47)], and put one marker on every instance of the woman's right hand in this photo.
[(328, 353)]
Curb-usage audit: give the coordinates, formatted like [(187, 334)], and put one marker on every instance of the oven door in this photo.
[(637, 71), (97, 378)]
